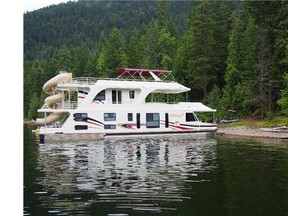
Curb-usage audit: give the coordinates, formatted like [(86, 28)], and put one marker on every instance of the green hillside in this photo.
[(82, 22), (233, 55)]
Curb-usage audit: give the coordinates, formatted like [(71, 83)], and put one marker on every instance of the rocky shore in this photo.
[(249, 131)]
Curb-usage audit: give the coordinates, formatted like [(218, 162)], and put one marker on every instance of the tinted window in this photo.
[(131, 94), (80, 116), (190, 117), (130, 116), (100, 95), (152, 120), (110, 126), (109, 116), (81, 127)]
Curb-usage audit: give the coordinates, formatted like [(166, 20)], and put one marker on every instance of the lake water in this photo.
[(165, 175)]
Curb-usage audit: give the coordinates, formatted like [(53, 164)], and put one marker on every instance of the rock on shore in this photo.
[(247, 131)]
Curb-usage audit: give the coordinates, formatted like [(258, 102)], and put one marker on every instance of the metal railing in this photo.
[(93, 80), (88, 80), (69, 105)]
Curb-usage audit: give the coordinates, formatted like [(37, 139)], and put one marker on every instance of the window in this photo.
[(152, 120), (119, 97), (116, 97), (81, 127), (80, 116), (130, 116), (112, 126), (131, 94), (109, 116), (100, 96), (190, 117)]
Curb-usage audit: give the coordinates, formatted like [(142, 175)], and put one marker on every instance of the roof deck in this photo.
[(145, 74)]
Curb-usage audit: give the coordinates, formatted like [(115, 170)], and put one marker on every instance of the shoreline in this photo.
[(250, 132)]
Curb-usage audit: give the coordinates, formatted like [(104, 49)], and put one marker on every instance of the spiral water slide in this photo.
[(53, 99)]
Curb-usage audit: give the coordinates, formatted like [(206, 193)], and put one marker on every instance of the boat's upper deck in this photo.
[(158, 81), (131, 87), (131, 74)]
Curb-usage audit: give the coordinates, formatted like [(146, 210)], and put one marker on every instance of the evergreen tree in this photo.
[(150, 47), (91, 68), (132, 49), (208, 28), (283, 101), (79, 60), (34, 104), (101, 67), (267, 16), (62, 60), (233, 65), (115, 53), (247, 71), (263, 70), (279, 63), (214, 100), (247, 60), (166, 49)]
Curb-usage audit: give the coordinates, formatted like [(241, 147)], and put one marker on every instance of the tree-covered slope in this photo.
[(231, 54), (82, 22)]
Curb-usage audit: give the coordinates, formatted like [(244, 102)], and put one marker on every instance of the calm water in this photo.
[(156, 176)]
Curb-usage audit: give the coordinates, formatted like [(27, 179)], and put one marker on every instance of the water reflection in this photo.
[(139, 174)]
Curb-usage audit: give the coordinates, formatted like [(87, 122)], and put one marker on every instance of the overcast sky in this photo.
[(30, 5)]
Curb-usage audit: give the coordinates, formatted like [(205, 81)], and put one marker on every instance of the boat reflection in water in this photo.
[(121, 175)]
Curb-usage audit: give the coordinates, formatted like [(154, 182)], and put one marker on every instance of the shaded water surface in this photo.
[(176, 175)]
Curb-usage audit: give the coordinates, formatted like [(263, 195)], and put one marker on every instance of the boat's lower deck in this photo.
[(112, 121), (44, 138)]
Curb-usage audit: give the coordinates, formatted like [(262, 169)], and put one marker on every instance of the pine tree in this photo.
[(150, 45), (101, 67), (79, 61), (233, 64), (115, 53), (34, 104), (132, 49), (208, 27), (166, 49), (247, 71), (283, 101), (62, 59), (92, 65)]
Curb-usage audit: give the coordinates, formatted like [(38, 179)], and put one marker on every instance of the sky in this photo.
[(30, 5)]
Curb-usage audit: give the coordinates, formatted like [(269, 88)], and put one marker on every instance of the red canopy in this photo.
[(142, 72)]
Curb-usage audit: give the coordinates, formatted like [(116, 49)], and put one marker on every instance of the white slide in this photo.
[(54, 98), (45, 121), (60, 78)]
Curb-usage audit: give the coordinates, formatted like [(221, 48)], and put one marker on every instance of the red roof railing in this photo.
[(149, 73), (142, 72)]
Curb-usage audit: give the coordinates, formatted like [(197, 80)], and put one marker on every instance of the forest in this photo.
[(232, 54)]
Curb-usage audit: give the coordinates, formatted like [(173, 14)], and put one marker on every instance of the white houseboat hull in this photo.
[(116, 107)]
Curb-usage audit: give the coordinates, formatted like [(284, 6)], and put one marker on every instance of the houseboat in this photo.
[(125, 105)]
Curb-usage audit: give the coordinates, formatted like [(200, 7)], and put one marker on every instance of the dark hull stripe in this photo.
[(162, 132)]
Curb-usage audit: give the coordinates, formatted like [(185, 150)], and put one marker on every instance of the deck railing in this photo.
[(88, 80), (93, 80), (70, 105)]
